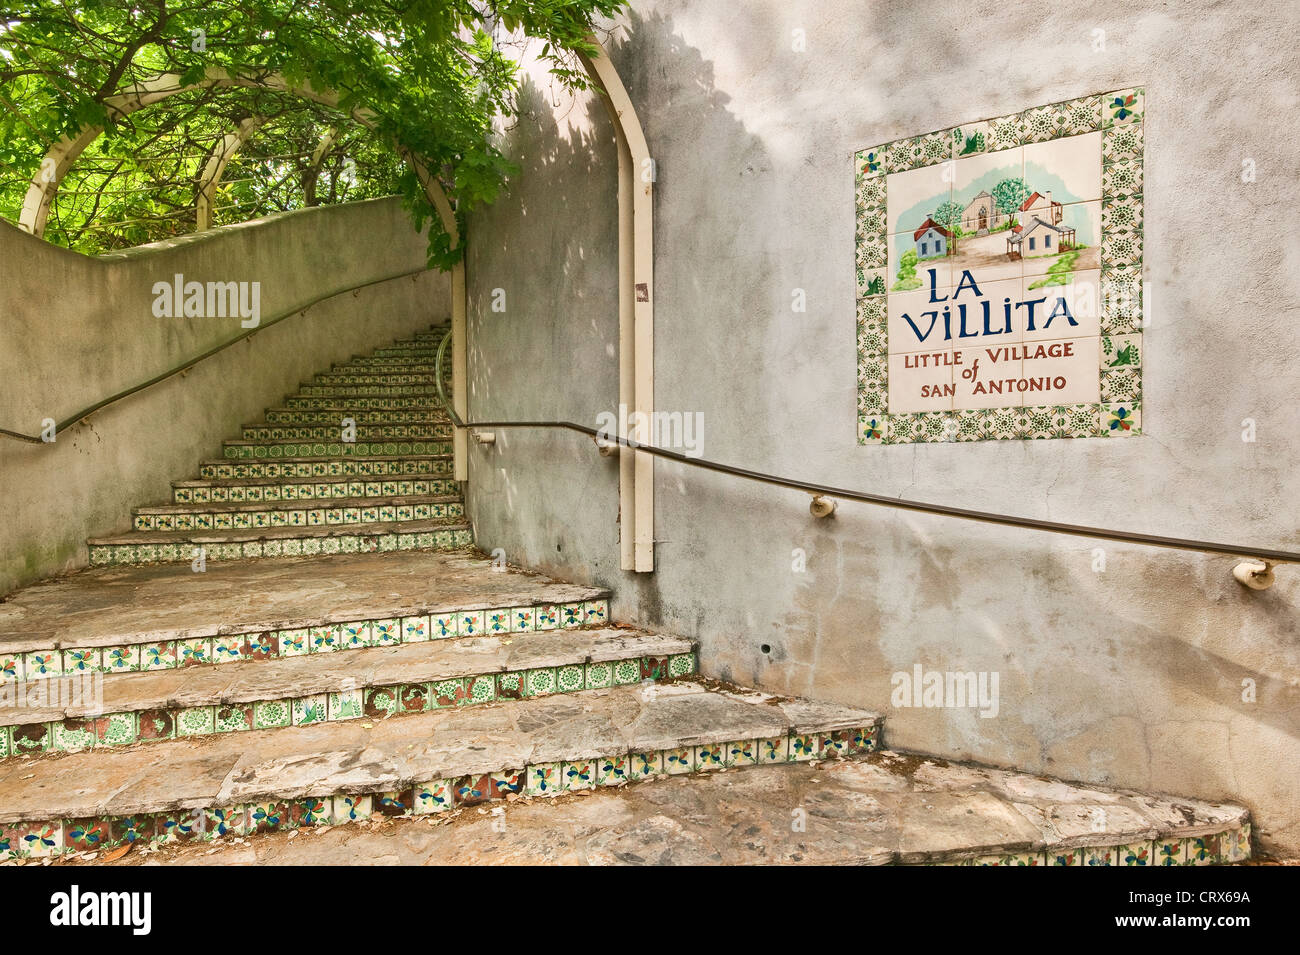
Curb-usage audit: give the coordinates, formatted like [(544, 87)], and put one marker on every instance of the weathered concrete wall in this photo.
[(1132, 676), (77, 329)]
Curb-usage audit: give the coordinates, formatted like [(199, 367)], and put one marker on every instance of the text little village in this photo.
[(979, 318)]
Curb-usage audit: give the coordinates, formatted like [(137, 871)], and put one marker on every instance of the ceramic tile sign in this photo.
[(999, 275)]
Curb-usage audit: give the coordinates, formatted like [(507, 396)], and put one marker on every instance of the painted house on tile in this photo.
[(1039, 238), (1041, 206), (931, 239), (981, 214)]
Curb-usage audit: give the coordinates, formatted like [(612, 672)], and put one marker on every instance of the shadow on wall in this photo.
[(548, 252)]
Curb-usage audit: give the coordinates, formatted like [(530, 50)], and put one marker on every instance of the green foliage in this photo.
[(431, 75), (1009, 194), (907, 272)]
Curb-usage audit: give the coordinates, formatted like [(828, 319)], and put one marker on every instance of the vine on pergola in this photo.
[(428, 74)]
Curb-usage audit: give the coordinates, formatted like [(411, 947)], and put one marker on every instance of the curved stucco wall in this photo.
[(77, 329), (1138, 675)]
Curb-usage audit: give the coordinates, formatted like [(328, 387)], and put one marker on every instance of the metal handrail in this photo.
[(297, 310), (823, 490)]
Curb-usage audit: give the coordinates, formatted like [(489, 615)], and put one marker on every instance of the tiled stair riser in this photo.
[(274, 470), (316, 491), (420, 432), (372, 702), (104, 555), (309, 517), (1226, 847), (429, 392), (327, 415), (327, 638), (386, 380), (334, 449), (364, 402), (38, 840)]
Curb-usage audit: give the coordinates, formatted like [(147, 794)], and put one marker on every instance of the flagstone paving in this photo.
[(876, 809)]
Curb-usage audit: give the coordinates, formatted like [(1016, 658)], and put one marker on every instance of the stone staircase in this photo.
[(205, 680)]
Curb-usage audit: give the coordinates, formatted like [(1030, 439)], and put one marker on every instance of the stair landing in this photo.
[(877, 809)]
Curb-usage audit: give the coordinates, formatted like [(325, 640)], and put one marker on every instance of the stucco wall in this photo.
[(1132, 676), (77, 329)]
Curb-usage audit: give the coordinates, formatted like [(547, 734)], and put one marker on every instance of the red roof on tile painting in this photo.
[(930, 224)]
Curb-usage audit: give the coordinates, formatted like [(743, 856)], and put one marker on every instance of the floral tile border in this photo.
[(105, 555), (1119, 116), (365, 432), (327, 638), (354, 467), (184, 519), (313, 491), (35, 840), (333, 449), (370, 702)]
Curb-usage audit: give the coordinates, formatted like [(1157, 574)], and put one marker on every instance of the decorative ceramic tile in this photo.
[(679, 761), (774, 750), (444, 625), (82, 660), (153, 725), (803, 747), (682, 664), (1167, 852), (595, 613), (482, 689), (469, 624), (543, 779), (42, 664), (351, 808), (270, 714), (578, 775), (233, 718), (512, 686), (1137, 854), (196, 722), (228, 649), (1039, 200), (569, 679), (1236, 844), (541, 682), (193, 652), (571, 615), (310, 709), (294, 643), (1203, 850), (345, 704), (599, 675), (613, 770), (355, 636), (710, 756), (434, 796)]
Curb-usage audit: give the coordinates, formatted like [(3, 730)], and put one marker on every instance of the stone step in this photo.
[(342, 771), (333, 414), (882, 808), (370, 402), (260, 450), (164, 616), (402, 354), (277, 433), (373, 675), (238, 491), (337, 512), (375, 466), (151, 547)]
